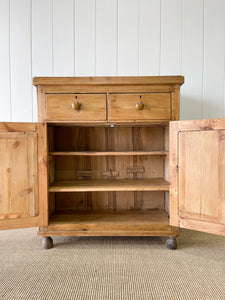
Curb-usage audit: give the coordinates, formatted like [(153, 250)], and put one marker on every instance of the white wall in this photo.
[(113, 37)]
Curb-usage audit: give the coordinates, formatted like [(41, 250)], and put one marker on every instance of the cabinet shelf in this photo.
[(132, 218), (111, 223), (153, 184), (107, 153)]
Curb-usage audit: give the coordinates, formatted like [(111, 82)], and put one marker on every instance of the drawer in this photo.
[(140, 107), (76, 107)]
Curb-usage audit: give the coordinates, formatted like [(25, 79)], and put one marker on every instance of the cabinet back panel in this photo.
[(108, 167), (108, 138), (94, 201)]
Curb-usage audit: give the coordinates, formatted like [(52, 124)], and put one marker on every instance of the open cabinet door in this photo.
[(197, 175), (23, 175)]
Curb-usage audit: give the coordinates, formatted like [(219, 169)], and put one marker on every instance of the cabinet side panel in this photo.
[(42, 174), (166, 168), (173, 158), (41, 99), (175, 103)]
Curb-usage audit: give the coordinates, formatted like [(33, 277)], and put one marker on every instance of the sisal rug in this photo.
[(111, 267)]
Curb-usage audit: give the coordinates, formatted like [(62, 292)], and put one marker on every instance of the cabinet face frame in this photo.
[(34, 140), (201, 209)]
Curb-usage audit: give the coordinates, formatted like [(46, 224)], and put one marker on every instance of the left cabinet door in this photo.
[(23, 175)]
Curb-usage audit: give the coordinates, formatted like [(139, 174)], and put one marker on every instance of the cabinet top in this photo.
[(108, 80)]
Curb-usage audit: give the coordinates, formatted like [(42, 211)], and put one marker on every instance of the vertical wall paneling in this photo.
[(149, 37), (109, 38), (85, 47), (106, 37), (63, 38), (128, 28), (192, 59), (42, 51), (4, 62), (214, 50), (20, 60), (171, 37)]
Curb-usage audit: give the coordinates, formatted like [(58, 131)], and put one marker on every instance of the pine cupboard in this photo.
[(108, 157)]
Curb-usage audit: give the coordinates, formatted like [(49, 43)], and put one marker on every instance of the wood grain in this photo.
[(107, 88), (124, 106), (109, 80), (92, 107), (197, 174), (132, 223), (198, 193), (108, 153), (18, 154), (23, 172), (154, 184)]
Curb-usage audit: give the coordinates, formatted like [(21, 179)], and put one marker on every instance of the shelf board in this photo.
[(131, 216), (107, 153), (133, 222), (152, 222), (153, 184)]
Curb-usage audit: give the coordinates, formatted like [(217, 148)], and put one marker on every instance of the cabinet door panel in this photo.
[(197, 168), (18, 173), (21, 146)]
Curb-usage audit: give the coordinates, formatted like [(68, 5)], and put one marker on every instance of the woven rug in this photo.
[(111, 267)]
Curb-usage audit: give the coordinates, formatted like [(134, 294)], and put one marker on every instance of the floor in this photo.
[(111, 267)]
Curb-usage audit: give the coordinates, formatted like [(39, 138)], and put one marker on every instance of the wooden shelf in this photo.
[(111, 223), (92, 220), (153, 184), (107, 153)]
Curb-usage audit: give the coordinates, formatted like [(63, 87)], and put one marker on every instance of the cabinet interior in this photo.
[(108, 173)]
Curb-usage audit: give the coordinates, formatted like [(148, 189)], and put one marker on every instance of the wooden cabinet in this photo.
[(109, 157)]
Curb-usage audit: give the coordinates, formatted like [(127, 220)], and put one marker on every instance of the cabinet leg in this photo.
[(171, 243), (47, 242)]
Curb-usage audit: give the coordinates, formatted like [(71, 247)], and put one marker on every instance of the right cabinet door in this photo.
[(197, 175)]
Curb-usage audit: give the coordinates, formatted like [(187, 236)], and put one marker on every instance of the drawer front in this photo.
[(140, 107), (76, 107)]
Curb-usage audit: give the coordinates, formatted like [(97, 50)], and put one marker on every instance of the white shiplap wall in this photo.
[(113, 37)]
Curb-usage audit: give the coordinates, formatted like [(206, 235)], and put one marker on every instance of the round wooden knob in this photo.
[(140, 105), (76, 105)]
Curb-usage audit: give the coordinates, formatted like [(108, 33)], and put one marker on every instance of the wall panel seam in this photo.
[(138, 56), (182, 35), (95, 37), (10, 75), (160, 38), (52, 37), (203, 58), (117, 38), (74, 43), (31, 58)]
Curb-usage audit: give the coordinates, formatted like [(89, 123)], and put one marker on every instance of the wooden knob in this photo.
[(76, 105), (140, 105)]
